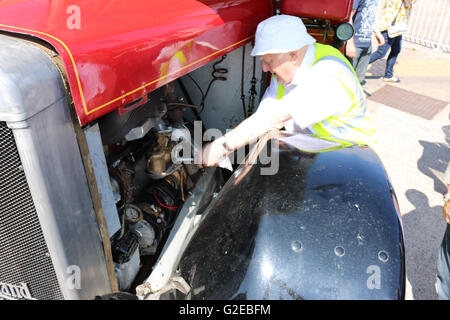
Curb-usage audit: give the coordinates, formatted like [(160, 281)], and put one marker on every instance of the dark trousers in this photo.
[(361, 61), (395, 44), (443, 266)]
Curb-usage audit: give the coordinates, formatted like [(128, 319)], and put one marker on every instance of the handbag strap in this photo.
[(395, 19)]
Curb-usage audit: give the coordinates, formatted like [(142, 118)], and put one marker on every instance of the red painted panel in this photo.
[(116, 51), (335, 10)]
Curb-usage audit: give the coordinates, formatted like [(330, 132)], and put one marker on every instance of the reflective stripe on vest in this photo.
[(348, 128)]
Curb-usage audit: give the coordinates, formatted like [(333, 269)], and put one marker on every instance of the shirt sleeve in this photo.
[(321, 95)]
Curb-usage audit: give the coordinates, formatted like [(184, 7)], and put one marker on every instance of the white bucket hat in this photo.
[(280, 34)]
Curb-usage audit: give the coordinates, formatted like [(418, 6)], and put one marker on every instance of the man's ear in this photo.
[(293, 56), (297, 56)]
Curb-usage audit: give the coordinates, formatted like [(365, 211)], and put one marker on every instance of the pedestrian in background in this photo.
[(359, 47), (395, 15)]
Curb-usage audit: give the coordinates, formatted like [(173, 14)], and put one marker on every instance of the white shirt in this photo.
[(314, 94)]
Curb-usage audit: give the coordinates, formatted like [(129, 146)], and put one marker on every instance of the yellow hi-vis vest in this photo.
[(351, 127)]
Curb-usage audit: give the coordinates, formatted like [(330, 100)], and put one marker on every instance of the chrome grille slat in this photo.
[(23, 251)]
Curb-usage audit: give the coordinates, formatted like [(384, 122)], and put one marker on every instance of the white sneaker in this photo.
[(393, 79)]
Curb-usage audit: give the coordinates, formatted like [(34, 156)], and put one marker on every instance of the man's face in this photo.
[(282, 65)]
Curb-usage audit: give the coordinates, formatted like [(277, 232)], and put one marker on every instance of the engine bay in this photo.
[(149, 187), (149, 151)]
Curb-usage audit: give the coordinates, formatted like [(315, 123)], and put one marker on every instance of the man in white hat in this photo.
[(313, 91)]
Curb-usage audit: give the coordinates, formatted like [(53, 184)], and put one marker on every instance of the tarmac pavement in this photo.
[(415, 152)]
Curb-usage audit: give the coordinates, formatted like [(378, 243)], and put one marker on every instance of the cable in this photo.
[(196, 84), (162, 205), (242, 83), (215, 76), (179, 104), (253, 93), (188, 98)]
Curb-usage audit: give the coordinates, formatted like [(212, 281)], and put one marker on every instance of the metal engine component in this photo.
[(115, 189), (127, 272), (147, 237), (122, 187), (126, 259), (157, 164), (132, 213), (140, 131)]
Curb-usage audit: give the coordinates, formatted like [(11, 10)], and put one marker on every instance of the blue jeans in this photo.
[(395, 44)]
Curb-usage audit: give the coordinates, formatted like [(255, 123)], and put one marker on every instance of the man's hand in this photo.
[(379, 37), (211, 153), (350, 50)]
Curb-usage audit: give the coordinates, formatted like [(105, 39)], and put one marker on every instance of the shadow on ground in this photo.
[(434, 160), (424, 226), (422, 242)]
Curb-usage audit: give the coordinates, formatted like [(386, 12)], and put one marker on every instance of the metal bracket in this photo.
[(144, 291)]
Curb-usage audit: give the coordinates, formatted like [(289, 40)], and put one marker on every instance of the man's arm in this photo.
[(350, 49), (269, 117), (273, 118)]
